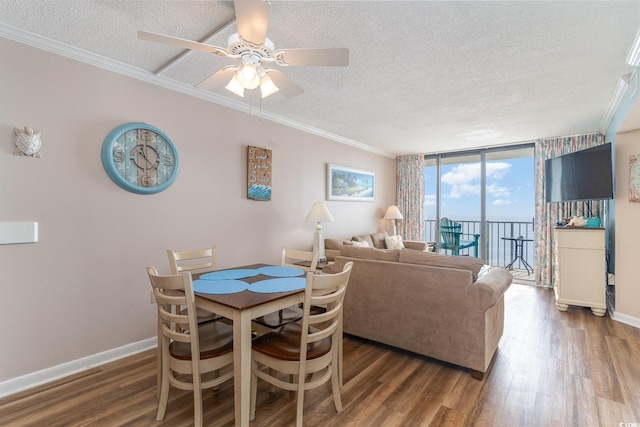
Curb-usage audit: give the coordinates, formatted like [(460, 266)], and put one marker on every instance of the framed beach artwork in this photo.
[(349, 184), (634, 178), (258, 173)]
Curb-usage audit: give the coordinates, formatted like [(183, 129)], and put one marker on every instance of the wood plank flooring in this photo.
[(551, 369)]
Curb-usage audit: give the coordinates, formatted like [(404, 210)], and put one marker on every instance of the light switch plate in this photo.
[(18, 232)]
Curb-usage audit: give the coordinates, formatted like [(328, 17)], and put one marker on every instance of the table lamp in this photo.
[(319, 214), (393, 214)]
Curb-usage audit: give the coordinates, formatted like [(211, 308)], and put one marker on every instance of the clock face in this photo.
[(140, 158)]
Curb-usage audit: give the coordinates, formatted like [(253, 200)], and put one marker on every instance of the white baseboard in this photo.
[(33, 379), (629, 320)]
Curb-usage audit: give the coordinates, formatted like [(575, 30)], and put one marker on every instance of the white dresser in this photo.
[(580, 277)]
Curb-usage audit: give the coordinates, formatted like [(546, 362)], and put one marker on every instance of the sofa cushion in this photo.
[(394, 242), (360, 244), (371, 253), (363, 238), (378, 240), (335, 244), (470, 263)]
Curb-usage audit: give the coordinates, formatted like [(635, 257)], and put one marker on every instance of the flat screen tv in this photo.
[(582, 175)]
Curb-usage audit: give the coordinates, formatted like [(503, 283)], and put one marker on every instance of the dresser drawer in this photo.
[(580, 238)]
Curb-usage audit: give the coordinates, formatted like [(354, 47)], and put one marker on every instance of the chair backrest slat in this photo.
[(172, 294), (292, 256), (328, 289), (195, 261)]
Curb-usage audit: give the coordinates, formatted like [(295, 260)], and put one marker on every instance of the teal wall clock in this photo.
[(140, 158)]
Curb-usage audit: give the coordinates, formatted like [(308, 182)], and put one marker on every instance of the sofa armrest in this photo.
[(415, 245), (490, 287)]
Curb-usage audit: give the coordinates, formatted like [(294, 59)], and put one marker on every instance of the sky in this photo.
[(510, 190)]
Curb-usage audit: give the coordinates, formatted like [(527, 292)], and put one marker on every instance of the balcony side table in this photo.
[(519, 243)]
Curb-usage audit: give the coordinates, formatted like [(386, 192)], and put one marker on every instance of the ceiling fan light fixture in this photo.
[(267, 87), (235, 86), (248, 76)]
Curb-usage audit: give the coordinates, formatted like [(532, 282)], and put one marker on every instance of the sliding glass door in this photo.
[(488, 193)]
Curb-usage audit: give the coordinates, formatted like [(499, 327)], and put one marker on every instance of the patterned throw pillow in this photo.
[(394, 242)]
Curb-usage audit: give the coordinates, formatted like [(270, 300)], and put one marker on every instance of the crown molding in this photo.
[(634, 54), (109, 64), (614, 103)]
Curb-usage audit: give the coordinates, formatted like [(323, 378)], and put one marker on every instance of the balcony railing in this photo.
[(498, 252)]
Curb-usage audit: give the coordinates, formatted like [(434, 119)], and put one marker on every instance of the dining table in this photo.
[(242, 294)]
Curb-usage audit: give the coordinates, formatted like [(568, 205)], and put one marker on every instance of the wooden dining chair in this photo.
[(306, 348), (303, 260), (195, 261), (188, 349)]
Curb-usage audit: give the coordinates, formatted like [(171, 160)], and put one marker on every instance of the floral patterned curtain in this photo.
[(547, 215), (410, 195)]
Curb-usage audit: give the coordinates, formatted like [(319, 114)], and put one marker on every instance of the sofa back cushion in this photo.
[(364, 238), (470, 263), (335, 244), (378, 240), (370, 253)]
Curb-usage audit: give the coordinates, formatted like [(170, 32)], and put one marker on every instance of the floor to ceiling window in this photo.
[(488, 192)]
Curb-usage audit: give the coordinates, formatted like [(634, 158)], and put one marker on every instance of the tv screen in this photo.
[(583, 175)]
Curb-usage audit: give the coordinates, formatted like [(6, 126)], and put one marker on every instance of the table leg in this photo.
[(242, 366)]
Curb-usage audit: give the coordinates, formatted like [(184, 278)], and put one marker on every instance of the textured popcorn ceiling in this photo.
[(424, 76)]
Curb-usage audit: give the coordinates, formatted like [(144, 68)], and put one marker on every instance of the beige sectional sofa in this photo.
[(450, 308), (374, 240)]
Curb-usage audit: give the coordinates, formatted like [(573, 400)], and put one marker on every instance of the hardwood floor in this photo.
[(551, 369)]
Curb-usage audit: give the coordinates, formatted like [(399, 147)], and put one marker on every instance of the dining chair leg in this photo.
[(159, 361), (197, 406), (340, 345), (197, 393), (254, 392), (335, 382), (164, 393), (300, 406)]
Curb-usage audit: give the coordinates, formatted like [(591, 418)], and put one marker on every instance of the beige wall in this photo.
[(82, 289), (627, 233)]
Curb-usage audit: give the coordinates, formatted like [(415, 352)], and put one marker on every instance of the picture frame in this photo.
[(350, 184), (634, 178), (259, 164)]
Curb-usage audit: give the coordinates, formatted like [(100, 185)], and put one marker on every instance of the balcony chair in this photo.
[(188, 350), (451, 233), (296, 259), (307, 348)]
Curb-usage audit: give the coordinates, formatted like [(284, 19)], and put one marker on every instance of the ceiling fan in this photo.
[(255, 54)]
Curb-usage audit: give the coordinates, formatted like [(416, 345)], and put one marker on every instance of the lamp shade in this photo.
[(235, 86), (319, 213), (267, 87), (393, 213)]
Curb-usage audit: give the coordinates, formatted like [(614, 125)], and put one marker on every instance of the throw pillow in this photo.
[(360, 244), (363, 238), (394, 242)]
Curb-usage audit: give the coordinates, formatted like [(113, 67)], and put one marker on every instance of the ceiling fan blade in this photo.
[(218, 78), (183, 43), (252, 19), (338, 57), (286, 86)]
